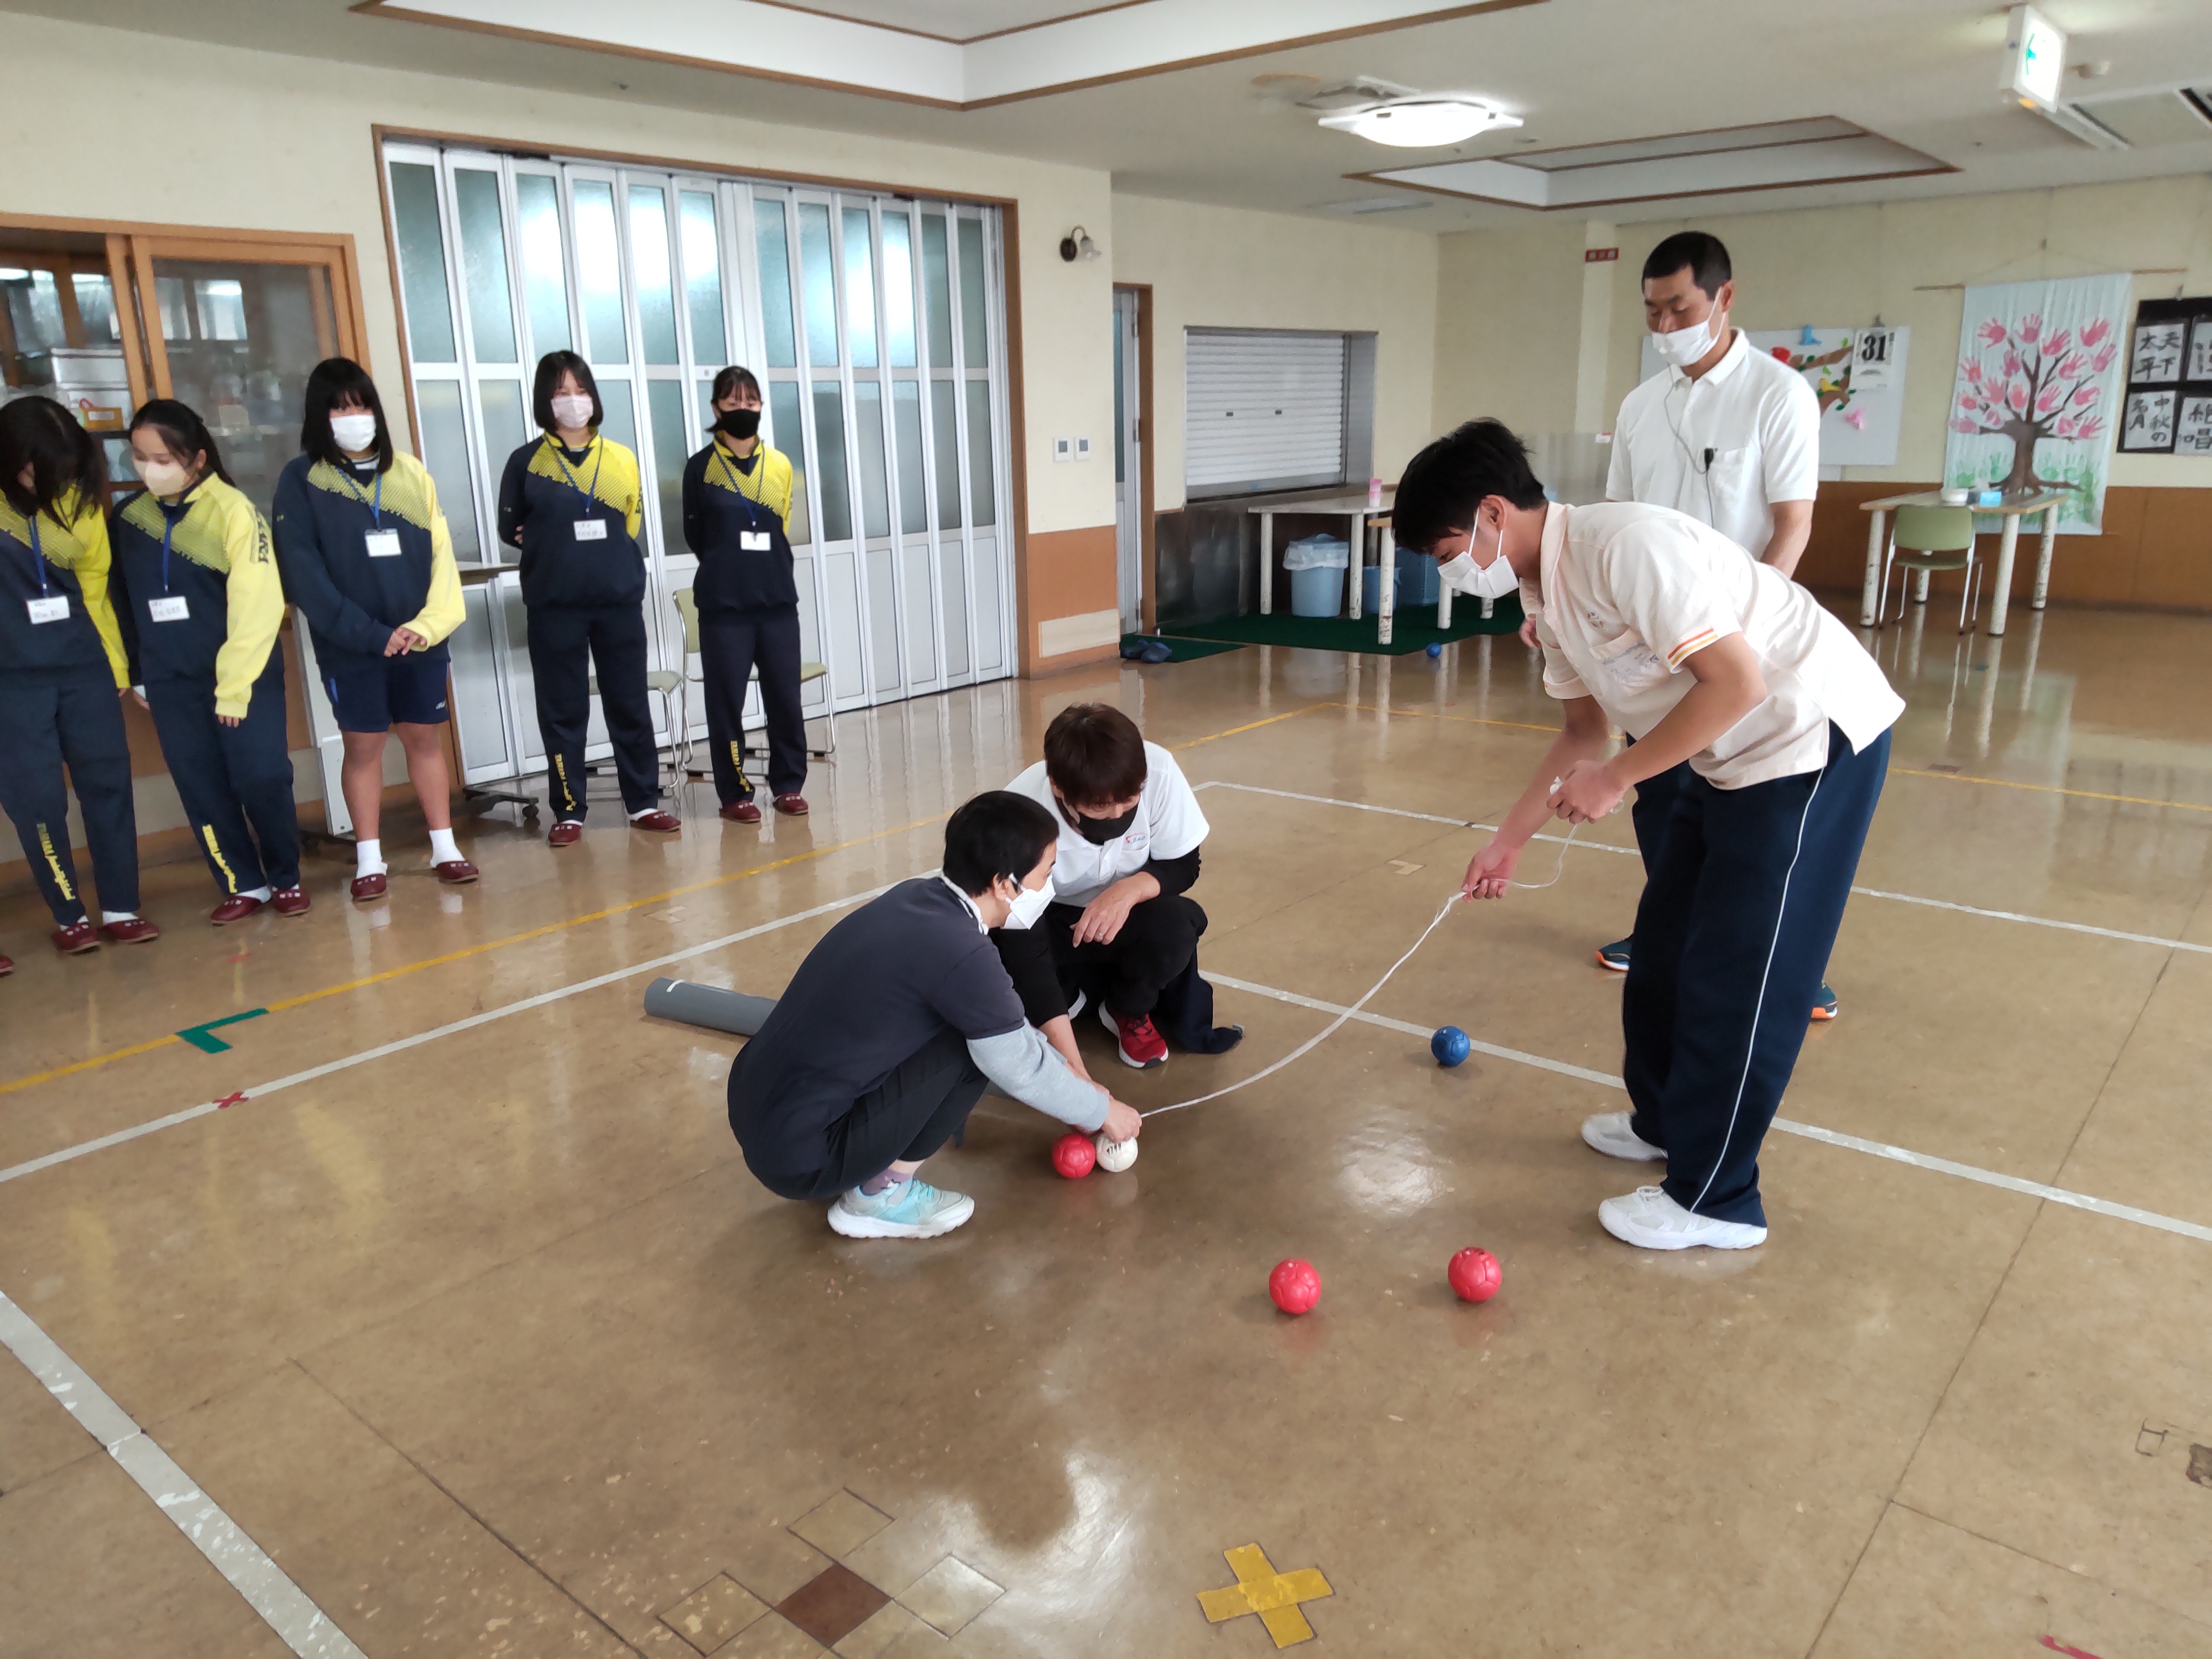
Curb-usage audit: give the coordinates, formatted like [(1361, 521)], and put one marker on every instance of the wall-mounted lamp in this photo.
[(1078, 244)]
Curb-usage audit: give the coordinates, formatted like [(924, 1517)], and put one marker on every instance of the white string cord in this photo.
[(1330, 1030)]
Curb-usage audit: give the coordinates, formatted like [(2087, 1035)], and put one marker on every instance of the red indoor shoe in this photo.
[(742, 811), (132, 930), (289, 901), (793, 805), (236, 908), (1141, 1043), (566, 833), (456, 873), (657, 822)]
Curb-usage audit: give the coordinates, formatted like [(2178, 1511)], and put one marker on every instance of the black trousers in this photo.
[(1156, 943), (1732, 937), (49, 719), (235, 781), (1653, 806), (566, 647), (732, 644), (922, 1104)]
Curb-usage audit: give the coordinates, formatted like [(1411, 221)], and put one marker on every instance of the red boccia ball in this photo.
[(1474, 1275), (1074, 1155), (1295, 1285)]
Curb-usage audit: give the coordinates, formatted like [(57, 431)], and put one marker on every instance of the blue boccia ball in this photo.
[(1435, 649), (1450, 1045)]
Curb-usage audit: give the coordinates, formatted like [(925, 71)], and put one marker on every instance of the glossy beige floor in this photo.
[(493, 1345)]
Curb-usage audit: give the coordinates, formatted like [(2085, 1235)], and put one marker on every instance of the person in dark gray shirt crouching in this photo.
[(882, 1044)]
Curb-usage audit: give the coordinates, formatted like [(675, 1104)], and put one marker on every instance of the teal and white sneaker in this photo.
[(905, 1209)]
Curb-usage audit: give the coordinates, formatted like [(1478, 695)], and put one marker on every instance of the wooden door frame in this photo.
[(1147, 528), (130, 241)]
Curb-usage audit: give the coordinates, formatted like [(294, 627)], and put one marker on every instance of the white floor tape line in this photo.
[(283, 1606), (1787, 1126), (1862, 892), (400, 1045)]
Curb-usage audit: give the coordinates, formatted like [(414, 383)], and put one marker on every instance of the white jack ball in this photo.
[(1115, 1156)]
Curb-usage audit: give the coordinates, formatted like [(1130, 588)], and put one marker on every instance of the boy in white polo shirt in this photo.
[(1122, 927), (1653, 621)]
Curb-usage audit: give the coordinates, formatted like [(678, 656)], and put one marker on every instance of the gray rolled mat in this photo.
[(708, 1005)]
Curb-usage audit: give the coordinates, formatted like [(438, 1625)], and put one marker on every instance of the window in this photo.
[(875, 324), (1263, 410)]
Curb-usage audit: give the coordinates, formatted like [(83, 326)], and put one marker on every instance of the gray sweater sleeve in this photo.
[(1023, 1064)]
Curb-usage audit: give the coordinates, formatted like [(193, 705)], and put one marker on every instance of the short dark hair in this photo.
[(65, 460), (1445, 482), (727, 382), (182, 432), (1698, 252), (331, 383), (997, 834), (551, 368), (1094, 755)]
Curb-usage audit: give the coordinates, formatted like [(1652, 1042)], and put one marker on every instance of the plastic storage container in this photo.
[(1417, 584), (1317, 564)]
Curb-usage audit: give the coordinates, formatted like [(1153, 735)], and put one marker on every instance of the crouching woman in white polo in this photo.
[(1656, 623)]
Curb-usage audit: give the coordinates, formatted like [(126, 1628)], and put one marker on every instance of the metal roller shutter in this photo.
[(1262, 410)]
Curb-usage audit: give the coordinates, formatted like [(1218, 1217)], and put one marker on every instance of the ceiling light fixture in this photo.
[(1426, 121)]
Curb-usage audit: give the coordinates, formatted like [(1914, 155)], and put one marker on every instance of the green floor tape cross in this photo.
[(202, 1037)]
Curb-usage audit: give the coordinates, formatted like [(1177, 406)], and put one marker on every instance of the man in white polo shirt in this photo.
[(1725, 434), (1651, 621)]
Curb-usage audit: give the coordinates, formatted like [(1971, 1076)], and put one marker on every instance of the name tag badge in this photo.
[(590, 530), (753, 541), (50, 609), (383, 543), (173, 608)]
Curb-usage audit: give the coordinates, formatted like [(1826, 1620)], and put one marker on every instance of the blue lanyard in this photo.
[(37, 556), (168, 530), (575, 483), (373, 501), (737, 481)]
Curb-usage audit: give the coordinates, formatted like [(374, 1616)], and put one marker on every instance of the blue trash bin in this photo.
[(1317, 592)]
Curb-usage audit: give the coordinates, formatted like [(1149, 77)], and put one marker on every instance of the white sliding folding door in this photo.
[(876, 326)]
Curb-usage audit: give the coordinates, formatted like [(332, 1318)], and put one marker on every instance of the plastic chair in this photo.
[(687, 607), (1926, 538)]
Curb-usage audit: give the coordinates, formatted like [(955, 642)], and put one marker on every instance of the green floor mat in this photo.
[(1413, 627), (1181, 650)]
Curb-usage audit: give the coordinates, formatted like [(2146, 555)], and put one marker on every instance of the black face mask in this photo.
[(739, 423), (1099, 831)]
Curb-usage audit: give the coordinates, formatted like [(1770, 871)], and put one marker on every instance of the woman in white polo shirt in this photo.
[(1657, 624)]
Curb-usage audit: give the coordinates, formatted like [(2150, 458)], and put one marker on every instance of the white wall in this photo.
[(255, 141), (1509, 297), (1214, 267)]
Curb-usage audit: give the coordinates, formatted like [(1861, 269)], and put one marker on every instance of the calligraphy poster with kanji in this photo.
[(2037, 396), (2169, 402)]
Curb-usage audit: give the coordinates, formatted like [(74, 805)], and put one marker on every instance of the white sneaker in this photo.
[(1609, 1132), (905, 1209), (1650, 1220)]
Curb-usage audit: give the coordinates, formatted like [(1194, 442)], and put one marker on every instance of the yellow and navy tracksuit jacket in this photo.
[(725, 500), (545, 495), (212, 550), (63, 555), (352, 591)]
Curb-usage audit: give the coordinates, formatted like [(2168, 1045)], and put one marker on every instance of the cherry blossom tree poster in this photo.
[(2035, 398)]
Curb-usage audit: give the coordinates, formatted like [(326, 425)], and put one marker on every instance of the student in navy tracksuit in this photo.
[(572, 502), (200, 603), (367, 558), (62, 668), (736, 501)]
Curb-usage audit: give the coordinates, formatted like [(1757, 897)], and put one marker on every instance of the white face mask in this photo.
[(572, 414), (353, 433), (1493, 580), (1028, 904), (164, 479), (1686, 345)]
